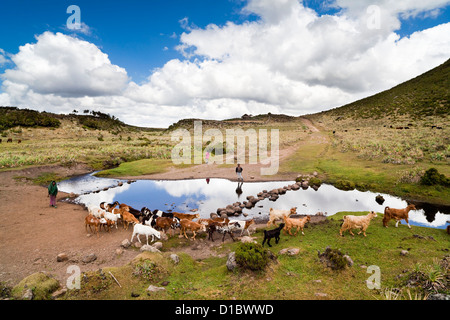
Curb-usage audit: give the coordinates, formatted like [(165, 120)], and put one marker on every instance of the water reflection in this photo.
[(207, 196)]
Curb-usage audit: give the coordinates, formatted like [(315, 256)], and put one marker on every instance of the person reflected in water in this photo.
[(239, 189)]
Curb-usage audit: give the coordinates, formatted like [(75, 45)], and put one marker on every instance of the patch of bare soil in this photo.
[(32, 233)]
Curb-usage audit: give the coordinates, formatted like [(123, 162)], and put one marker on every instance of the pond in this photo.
[(204, 197)]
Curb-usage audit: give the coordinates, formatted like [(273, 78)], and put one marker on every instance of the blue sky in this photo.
[(141, 36), (134, 33)]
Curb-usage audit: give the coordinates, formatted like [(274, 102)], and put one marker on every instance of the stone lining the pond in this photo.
[(235, 209)]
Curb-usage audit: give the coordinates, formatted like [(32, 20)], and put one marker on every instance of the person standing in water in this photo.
[(52, 192), (239, 170)]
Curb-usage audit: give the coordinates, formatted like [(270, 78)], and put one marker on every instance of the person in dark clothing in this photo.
[(239, 170), (52, 192)]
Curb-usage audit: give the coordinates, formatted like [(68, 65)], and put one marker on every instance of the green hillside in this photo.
[(425, 95)]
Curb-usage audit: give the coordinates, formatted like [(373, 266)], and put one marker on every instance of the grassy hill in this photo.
[(427, 95)]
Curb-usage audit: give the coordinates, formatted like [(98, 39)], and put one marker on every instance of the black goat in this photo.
[(153, 215), (275, 233), (220, 227)]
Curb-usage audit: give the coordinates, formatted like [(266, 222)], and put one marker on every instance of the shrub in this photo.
[(252, 256), (433, 177), (333, 258), (147, 270), (345, 185), (315, 182)]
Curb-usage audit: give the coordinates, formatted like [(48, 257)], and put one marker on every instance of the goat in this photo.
[(146, 212), (357, 222), (109, 206), (221, 227), (275, 214), (96, 211), (90, 220), (241, 225), (9, 140), (191, 225), (186, 216), (114, 218), (397, 214), (217, 224), (295, 223), (140, 229), (275, 233), (165, 223), (128, 218), (107, 224), (149, 217), (136, 213)]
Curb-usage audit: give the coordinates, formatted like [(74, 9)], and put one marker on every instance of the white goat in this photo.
[(113, 217), (96, 211), (275, 214), (140, 229), (242, 225), (357, 222)]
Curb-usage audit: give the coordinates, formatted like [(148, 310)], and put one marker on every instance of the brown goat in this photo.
[(291, 223), (128, 218), (397, 214), (90, 220), (191, 225), (164, 223), (186, 216)]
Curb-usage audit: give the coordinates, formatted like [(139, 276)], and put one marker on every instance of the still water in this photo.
[(207, 196)]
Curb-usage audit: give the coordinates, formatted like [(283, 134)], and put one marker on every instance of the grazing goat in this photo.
[(295, 223), (275, 214), (397, 214), (275, 233), (9, 140), (357, 222), (191, 225), (186, 216), (164, 223), (140, 229), (241, 225), (92, 221)]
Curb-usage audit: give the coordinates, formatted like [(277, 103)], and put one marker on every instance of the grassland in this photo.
[(301, 276)]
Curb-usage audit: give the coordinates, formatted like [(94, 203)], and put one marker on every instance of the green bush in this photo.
[(251, 256), (315, 182), (345, 185), (433, 177)]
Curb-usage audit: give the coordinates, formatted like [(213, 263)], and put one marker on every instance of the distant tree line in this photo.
[(11, 117)]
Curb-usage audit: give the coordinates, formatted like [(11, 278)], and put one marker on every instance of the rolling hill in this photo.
[(424, 96)]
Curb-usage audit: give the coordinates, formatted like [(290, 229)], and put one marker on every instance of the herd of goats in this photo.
[(150, 223)]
